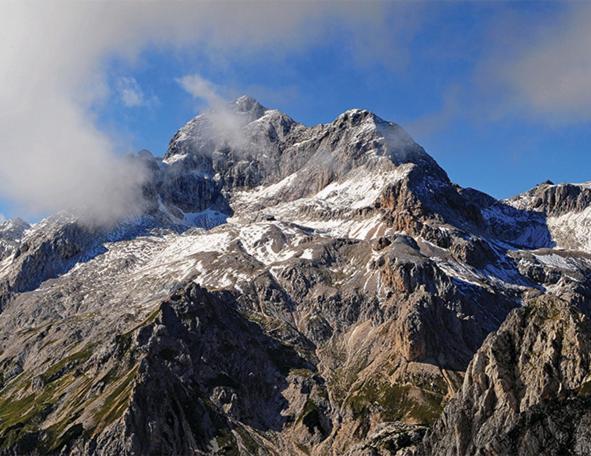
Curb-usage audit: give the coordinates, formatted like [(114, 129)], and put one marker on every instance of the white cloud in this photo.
[(200, 87), (545, 64), (130, 92)]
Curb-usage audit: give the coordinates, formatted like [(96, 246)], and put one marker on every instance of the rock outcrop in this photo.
[(526, 390)]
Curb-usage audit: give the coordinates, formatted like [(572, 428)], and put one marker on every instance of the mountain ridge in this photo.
[(357, 280)]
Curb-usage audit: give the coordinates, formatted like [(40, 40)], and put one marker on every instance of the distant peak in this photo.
[(250, 105), (359, 117), (245, 99), (356, 114), (356, 111)]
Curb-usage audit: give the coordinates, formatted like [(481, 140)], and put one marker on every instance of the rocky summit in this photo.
[(299, 290)]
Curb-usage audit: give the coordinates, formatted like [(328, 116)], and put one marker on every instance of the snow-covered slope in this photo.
[(566, 209), (572, 230)]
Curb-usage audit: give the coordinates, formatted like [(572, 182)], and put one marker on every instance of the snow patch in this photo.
[(556, 261), (307, 254), (258, 241), (572, 230), (361, 188), (175, 158), (205, 219)]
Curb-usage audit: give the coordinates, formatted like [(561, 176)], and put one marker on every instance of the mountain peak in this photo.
[(396, 143), (274, 145), (247, 104), (357, 113)]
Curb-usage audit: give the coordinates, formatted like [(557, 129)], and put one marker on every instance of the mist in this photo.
[(224, 120)]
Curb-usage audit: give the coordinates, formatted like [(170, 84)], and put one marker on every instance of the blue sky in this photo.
[(497, 92)]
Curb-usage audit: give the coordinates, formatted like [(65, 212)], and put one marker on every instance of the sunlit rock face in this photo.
[(526, 390)]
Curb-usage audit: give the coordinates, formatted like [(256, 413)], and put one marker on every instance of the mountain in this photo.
[(300, 290)]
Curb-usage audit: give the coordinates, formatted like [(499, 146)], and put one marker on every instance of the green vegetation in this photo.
[(57, 436), (302, 448), (20, 418), (306, 373), (544, 309), (265, 322), (123, 343), (585, 388), (23, 409), (311, 417), (148, 320), (247, 441), (26, 402), (343, 378), (310, 408), (116, 401), (67, 364), (396, 402), (112, 407)]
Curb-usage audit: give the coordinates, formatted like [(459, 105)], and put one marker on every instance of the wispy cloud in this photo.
[(131, 94), (199, 87), (541, 67), (433, 122), (225, 122)]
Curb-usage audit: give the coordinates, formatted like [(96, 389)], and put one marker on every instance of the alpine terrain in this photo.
[(293, 290)]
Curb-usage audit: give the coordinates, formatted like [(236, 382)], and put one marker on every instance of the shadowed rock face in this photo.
[(210, 375), (297, 290), (11, 232)]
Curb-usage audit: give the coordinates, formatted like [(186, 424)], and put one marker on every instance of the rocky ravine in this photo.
[(297, 290)]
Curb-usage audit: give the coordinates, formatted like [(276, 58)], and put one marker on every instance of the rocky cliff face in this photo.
[(526, 390), (289, 290)]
